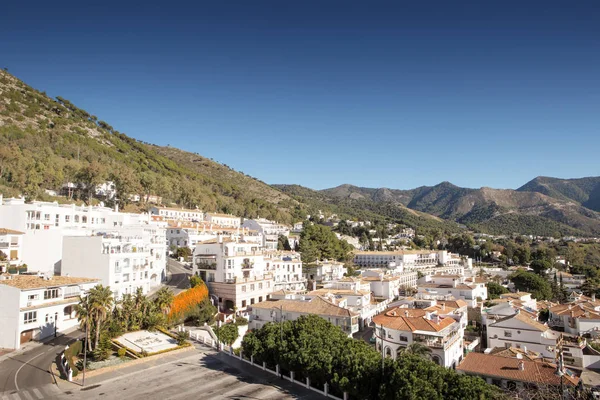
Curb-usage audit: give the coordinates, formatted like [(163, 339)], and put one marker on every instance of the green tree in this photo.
[(227, 333), (417, 349), (495, 290), (283, 243), (539, 287), (540, 266), (90, 176), (101, 303), (84, 316), (164, 299), (195, 280)]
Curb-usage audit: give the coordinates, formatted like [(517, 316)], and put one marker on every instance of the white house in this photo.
[(11, 246), (390, 286), (455, 285), (579, 317), (37, 307), (286, 268), (270, 231), (171, 213), (226, 220), (398, 327), (235, 272), (411, 259), (292, 309), (124, 259), (325, 271)]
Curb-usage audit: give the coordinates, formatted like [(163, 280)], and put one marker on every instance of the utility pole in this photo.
[(85, 354)]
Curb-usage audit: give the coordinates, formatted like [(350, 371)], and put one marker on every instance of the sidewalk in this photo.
[(35, 344)]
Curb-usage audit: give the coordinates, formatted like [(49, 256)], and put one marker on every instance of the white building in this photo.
[(411, 259), (11, 247), (45, 224), (398, 327), (36, 307), (390, 286), (226, 220), (235, 272), (124, 259), (571, 282), (579, 317), (179, 214), (286, 268), (292, 309), (325, 271), (454, 285), (269, 230)]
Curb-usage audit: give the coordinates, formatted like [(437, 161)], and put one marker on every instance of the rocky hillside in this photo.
[(583, 191)]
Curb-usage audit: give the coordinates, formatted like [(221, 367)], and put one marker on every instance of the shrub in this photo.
[(73, 351), (122, 352), (182, 337), (241, 321), (186, 301)]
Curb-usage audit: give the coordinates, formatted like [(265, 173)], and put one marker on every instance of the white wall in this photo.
[(9, 317)]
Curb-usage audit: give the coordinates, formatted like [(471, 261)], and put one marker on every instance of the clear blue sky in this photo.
[(322, 93)]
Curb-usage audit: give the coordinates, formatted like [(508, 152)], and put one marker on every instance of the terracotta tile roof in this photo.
[(508, 368), (520, 316), (446, 286), (582, 310), (512, 352), (316, 305), (6, 231), (26, 282), (411, 320), (516, 295), (341, 292)]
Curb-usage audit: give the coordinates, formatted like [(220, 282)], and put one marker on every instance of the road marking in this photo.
[(27, 395), (38, 394), (5, 398), (16, 396), (21, 367)]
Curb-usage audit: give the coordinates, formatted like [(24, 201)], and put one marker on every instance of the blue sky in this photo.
[(377, 94)]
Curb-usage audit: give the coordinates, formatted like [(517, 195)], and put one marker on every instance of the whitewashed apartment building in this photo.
[(125, 259), (37, 307), (270, 231), (404, 260), (178, 214)]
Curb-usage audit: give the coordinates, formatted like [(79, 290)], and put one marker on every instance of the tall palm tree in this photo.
[(84, 317), (164, 299), (417, 349), (101, 303)]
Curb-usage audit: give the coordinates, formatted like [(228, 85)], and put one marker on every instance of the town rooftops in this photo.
[(27, 282), (525, 318), (6, 231), (461, 286), (411, 320), (583, 311), (516, 295), (496, 366), (316, 305), (179, 209), (341, 292)]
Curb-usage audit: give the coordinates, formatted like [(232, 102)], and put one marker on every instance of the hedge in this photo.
[(74, 350)]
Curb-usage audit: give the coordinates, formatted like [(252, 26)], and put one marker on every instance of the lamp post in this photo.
[(560, 365), (85, 354), (281, 318)]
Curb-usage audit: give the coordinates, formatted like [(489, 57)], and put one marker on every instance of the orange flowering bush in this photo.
[(186, 301)]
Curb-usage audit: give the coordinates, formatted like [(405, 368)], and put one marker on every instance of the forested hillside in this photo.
[(45, 143)]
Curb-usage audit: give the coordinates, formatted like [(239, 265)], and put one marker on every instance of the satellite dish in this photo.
[(519, 356)]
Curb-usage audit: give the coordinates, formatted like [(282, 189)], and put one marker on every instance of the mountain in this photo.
[(45, 143), (544, 206), (584, 191)]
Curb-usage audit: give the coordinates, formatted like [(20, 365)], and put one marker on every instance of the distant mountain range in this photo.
[(543, 206)]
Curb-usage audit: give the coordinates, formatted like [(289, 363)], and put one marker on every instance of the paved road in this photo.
[(31, 369), (202, 375), (179, 276)]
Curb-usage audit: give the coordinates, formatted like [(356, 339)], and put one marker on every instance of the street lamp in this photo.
[(281, 318)]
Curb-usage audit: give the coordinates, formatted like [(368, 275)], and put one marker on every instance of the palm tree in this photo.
[(417, 349), (84, 317), (101, 302), (164, 298)]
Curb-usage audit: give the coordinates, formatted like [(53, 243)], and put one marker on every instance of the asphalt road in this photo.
[(199, 376), (31, 368), (179, 277)]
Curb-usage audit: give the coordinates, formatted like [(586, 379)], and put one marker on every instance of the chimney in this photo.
[(116, 207), (443, 306), (525, 349), (593, 294), (314, 285), (219, 238), (521, 366)]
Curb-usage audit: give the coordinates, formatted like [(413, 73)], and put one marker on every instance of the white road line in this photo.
[(27, 395), (5, 398), (21, 367), (38, 394), (16, 396)]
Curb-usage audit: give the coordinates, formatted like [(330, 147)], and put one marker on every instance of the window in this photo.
[(146, 274), (33, 297), (125, 277), (244, 288), (67, 218), (243, 303), (50, 294), (403, 339), (507, 334), (252, 287), (30, 317), (46, 217), (260, 299), (260, 285), (252, 301), (84, 219), (77, 218)]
